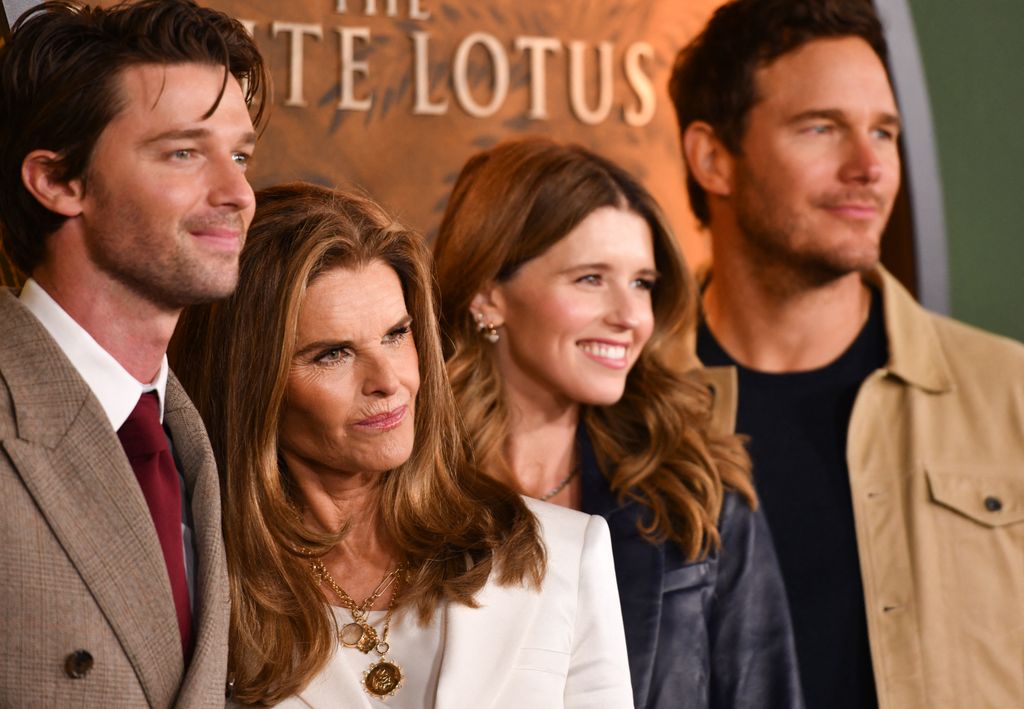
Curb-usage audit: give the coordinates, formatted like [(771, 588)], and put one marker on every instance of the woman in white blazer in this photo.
[(370, 563)]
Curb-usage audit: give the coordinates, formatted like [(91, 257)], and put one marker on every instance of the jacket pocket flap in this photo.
[(993, 498)]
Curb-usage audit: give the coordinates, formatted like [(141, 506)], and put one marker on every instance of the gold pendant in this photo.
[(382, 678), (358, 635)]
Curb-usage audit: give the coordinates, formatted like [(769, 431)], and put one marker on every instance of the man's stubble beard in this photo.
[(785, 253), (133, 252)]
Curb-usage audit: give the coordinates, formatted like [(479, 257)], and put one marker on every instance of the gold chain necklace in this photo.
[(382, 678), (558, 488)]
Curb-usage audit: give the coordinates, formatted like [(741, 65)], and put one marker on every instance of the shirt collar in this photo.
[(117, 391), (915, 351)]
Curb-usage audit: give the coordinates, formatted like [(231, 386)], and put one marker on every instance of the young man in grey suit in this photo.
[(888, 442), (124, 137)]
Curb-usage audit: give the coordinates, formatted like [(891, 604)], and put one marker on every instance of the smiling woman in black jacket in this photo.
[(564, 297)]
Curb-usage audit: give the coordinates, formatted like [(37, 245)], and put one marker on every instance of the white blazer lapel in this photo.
[(481, 645)]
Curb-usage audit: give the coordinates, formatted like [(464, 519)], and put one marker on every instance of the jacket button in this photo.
[(78, 664), (993, 504)]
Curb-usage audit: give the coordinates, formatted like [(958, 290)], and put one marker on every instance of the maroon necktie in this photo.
[(144, 442)]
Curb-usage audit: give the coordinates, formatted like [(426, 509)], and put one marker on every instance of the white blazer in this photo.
[(562, 647)]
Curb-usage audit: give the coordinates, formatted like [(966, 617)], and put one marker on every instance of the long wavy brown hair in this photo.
[(655, 446), (450, 523)]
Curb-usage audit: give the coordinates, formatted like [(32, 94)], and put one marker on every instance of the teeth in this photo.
[(599, 349)]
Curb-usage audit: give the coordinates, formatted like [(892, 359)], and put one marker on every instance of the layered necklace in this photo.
[(383, 677)]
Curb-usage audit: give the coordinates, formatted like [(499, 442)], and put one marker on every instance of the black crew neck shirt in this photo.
[(797, 423)]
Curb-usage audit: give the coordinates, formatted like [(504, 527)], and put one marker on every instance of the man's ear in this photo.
[(708, 160), (39, 175), (488, 306)]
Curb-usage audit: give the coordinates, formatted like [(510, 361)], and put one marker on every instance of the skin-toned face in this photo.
[(818, 170), (574, 319), (166, 202), (351, 392)]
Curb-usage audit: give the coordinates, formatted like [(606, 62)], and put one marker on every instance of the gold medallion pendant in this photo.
[(383, 678)]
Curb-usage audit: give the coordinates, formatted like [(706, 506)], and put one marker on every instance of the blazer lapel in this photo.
[(639, 568), (481, 645), (72, 464), (205, 678)]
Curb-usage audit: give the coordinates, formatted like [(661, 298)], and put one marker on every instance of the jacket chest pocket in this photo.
[(992, 500), (978, 518)]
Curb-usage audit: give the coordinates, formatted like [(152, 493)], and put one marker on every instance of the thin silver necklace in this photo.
[(558, 488)]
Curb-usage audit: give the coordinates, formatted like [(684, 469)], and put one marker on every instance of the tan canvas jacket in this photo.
[(936, 459)]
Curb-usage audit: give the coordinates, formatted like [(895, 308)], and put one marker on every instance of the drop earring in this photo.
[(486, 329)]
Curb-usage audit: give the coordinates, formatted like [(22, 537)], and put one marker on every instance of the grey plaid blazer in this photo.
[(80, 565)]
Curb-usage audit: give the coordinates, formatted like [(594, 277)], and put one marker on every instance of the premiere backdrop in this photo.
[(392, 96)]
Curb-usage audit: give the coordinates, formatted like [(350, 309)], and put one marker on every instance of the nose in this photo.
[(229, 186), (379, 376), (628, 307), (863, 164)]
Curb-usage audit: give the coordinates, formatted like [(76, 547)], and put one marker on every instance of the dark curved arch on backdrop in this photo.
[(916, 237)]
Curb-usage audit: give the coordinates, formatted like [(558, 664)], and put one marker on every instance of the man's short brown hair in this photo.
[(59, 75), (713, 76)]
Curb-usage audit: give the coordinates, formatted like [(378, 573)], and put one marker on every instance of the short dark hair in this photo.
[(59, 74), (713, 76)]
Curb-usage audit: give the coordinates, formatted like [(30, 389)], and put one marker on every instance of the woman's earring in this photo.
[(489, 332)]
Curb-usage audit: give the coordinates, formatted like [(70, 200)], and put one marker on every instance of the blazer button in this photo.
[(78, 664), (993, 504)]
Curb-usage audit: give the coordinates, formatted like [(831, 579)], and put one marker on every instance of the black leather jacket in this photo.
[(712, 634)]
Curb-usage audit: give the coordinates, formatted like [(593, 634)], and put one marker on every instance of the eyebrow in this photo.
[(832, 114), (605, 267), (587, 267), (319, 345), (248, 138)]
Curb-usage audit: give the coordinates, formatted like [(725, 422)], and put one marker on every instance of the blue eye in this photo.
[(332, 356), (590, 278), (241, 159), (644, 283), (398, 334)]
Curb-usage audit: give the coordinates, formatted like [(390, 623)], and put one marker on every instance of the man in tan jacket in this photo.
[(124, 137), (888, 442)]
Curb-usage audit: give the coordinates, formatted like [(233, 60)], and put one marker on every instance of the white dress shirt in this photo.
[(117, 391)]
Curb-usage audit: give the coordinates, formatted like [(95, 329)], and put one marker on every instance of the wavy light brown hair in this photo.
[(450, 523), (510, 204)]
